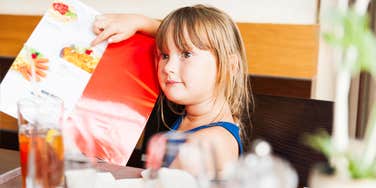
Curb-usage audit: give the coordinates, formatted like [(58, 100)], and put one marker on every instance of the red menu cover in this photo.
[(117, 101)]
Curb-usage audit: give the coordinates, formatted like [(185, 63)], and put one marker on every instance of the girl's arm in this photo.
[(118, 27)]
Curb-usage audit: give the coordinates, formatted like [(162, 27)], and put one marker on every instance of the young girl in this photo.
[(201, 66)]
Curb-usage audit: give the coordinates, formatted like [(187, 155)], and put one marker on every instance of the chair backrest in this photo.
[(5, 63), (283, 121), (8, 125)]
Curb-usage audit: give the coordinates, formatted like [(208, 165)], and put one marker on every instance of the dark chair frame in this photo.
[(284, 121)]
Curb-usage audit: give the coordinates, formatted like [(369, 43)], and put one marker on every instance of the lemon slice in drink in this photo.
[(51, 135), (54, 139)]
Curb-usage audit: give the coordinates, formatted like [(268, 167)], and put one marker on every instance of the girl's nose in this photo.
[(170, 66)]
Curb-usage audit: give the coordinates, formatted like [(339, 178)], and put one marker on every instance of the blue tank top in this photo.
[(230, 127)]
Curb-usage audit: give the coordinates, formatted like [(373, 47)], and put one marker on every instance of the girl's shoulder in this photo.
[(221, 131), (221, 140), (217, 128)]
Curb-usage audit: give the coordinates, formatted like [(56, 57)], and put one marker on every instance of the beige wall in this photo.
[(324, 83), (265, 11), (325, 80)]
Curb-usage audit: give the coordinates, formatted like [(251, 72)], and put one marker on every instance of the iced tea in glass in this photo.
[(26, 109), (39, 120)]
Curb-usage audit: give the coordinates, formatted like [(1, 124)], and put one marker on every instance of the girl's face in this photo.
[(186, 77)]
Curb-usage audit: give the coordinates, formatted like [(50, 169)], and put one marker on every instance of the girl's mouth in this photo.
[(171, 82)]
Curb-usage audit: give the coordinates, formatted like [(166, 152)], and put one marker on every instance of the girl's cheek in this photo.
[(160, 76)]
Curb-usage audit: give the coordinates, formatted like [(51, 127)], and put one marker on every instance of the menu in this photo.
[(116, 103), (60, 49), (108, 90)]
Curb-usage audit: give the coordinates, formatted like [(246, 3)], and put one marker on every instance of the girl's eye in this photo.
[(187, 54), (164, 56)]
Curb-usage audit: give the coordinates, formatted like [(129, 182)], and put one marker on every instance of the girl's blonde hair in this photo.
[(211, 29)]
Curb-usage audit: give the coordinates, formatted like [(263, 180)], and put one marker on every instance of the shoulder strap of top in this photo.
[(177, 123), (230, 127)]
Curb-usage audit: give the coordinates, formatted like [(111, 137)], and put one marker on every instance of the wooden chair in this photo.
[(283, 121), (5, 63), (8, 125)]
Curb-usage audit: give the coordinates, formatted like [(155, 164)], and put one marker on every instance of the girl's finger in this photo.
[(118, 37), (103, 36), (97, 30), (99, 26)]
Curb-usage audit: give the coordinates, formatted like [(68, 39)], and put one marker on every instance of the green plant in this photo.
[(359, 163), (355, 46)]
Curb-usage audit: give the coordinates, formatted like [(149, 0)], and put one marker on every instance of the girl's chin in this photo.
[(174, 98)]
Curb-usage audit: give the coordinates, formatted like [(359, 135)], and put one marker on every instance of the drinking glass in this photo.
[(197, 157), (194, 160), (26, 110), (79, 172), (79, 163), (41, 141)]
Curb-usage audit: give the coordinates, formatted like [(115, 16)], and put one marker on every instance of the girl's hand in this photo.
[(114, 27), (117, 27)]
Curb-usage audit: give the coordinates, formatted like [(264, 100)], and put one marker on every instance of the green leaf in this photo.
[(361, 173), (332, 39), (34, 51), (356, 33), (321, 142), (71, 14)]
